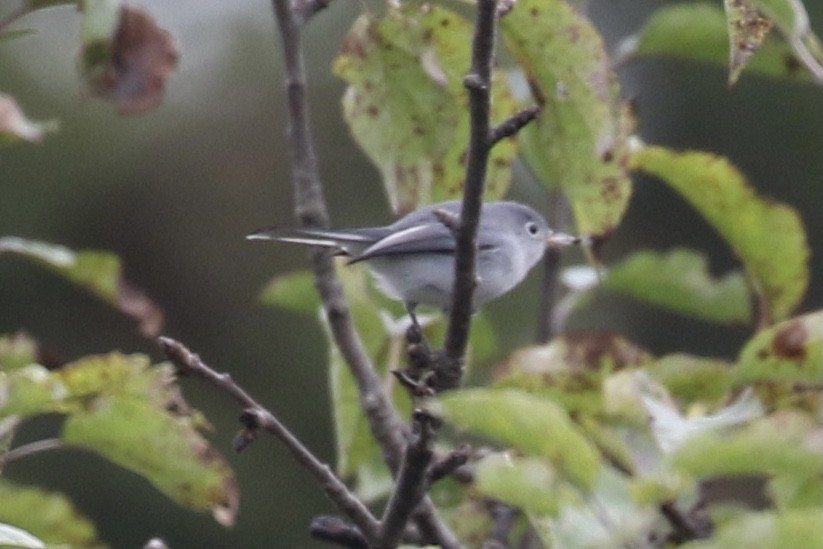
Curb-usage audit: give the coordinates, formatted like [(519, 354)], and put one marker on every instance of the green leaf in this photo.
[(777, 445), (534, 425), (133, 415), (15, 127), (791, 18), (768, 237), (99, 273), (693, 378), (407, 107), (527, 483), (767, 530), (606, 519), (293, 292), (789, 351), (16, 351), (48, 515), (138, 420), (747, 30), (697, 31), (571, 368), (679, 281), (579, 141)]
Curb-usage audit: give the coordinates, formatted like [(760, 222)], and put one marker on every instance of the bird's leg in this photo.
[(413, 377)]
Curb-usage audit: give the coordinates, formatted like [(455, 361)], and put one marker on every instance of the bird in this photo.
[(412, 259)]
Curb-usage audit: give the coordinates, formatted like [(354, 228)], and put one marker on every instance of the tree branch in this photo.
[(334, 530), (388, 428), (256, 416), (478, 83), (411, 482)]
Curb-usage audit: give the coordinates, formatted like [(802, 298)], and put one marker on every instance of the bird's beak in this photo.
[(561, 240)]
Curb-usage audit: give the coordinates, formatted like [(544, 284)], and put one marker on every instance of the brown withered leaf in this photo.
[(748, 28), (142, 56)]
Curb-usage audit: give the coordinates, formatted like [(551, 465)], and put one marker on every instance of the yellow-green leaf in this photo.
[(138, 420), (571, 368), (406, 104), (579, 141), (292, 291), (789, 351), (49, 516), (99, 273), (768, 237), (527, 422), (16, 351), (527, 483), (795, 529), (780, 445), (791, 18), (697, 31), (679, 281)]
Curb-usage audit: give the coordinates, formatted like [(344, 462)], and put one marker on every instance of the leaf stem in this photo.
[(26, 450)]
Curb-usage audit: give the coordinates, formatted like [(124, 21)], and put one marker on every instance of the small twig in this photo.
[(510, 127), (504, 520), (256, 416), (334, 530), (448, 464), (478, 83), (684, 527), (30, 449), (306, 9), (411, 482)]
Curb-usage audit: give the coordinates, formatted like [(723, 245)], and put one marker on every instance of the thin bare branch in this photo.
[(478, 83), (334, 530), (510, 127), (411, 482), (256, 417)]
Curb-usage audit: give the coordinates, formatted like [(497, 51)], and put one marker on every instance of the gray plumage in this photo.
[(413, 258)]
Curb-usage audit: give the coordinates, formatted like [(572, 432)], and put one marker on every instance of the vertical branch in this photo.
[(310, 208), (478, 83)]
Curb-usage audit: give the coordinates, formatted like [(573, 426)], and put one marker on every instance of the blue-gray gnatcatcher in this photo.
[(413, 258)]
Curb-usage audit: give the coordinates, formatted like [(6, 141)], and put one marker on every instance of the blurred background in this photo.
[(174, 191)]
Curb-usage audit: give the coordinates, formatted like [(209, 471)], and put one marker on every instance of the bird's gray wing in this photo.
[(431, 237)]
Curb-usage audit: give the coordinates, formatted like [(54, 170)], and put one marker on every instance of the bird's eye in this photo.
[(532, 228)]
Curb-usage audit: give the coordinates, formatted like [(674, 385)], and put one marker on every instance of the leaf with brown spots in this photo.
[(697, 31), (99, 273), (406, 104), (579, 141), (747, 29), (768, 237), (571, 367), (126, 57), (789, 351)]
